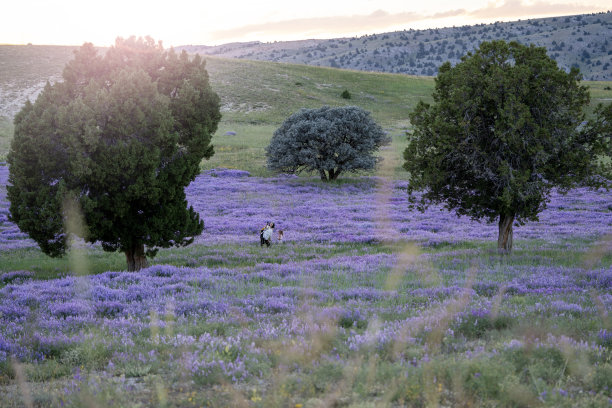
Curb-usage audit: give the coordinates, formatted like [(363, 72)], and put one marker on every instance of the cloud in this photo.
[(320, 25), (516, 9), (381, 20)]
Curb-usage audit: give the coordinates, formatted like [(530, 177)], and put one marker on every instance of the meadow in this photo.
[(365, 303)]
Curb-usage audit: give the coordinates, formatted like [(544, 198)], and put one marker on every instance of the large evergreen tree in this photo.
[(122, 135), (506, 126)]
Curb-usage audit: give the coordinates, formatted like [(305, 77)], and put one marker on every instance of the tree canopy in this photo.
[(601, 124), (121, 137), (505, 128), (327, 140)]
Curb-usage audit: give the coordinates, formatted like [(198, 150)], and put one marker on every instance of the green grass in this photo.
[(245, 150), (265, 92), (533, 253), (45, 267), (258, 96), (601, 91), (6, 135), (222, 255)]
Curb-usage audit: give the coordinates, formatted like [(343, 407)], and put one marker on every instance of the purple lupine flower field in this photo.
[(363, 302)]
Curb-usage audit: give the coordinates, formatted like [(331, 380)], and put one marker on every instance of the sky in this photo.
[(184, 22)]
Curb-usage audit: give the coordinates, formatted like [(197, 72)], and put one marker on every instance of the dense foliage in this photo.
[(601, 124), (506, 127), (326, 140), (119, 138)]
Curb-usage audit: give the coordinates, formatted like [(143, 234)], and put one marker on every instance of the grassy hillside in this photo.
[(256, 96), (264, 92), (6, 132), (24, 70)]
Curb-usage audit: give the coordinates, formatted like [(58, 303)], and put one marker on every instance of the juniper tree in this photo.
[(121, 136), (327, 140), (602, 124), (505, 128)]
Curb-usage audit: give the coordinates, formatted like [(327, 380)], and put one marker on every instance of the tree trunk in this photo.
[(323, 175), (136, 258), (333, 174), (504, 239)]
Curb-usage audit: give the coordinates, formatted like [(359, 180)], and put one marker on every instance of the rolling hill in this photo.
[(584, 41), (256, 96)]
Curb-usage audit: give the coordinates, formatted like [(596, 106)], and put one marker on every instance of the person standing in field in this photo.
[(261, 231), (266, 234)]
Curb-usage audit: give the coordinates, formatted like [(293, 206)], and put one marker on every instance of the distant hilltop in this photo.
[(582, 40)]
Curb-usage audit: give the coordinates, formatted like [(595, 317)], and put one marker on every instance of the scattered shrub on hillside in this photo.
[(346, 94)]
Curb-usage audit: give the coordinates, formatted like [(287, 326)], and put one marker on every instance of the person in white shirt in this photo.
[(266, 234)]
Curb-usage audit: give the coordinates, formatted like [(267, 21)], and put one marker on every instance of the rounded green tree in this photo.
[(327, 140), (121, 136), (504, 129)]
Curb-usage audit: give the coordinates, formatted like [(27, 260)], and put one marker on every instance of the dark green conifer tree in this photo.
[(505, 128), (121, 136)]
